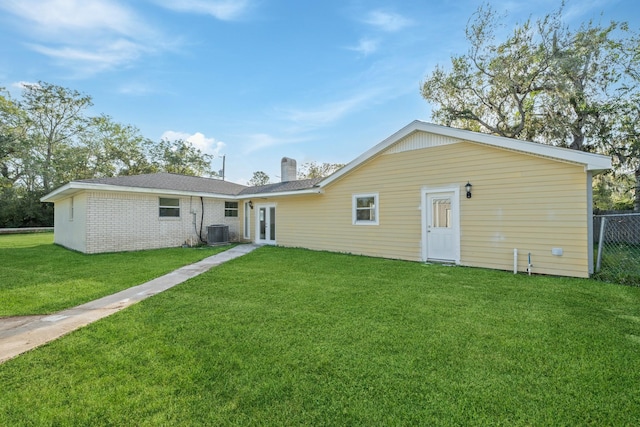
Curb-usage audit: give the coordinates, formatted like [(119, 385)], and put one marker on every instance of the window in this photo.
[(365, 209), (247, 220), (169, 207), (71, 202), (231, 209), (441, 213)]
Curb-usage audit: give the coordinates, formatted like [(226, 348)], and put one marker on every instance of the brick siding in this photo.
[(127, 221)]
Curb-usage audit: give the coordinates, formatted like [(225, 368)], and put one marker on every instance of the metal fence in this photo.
[(617, 246)]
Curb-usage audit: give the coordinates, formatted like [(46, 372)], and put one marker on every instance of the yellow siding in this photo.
[(519, 201)]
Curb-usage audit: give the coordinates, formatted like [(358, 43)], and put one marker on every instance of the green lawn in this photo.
[(295, 337), (38, 277)]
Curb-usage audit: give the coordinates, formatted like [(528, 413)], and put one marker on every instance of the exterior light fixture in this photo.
[(250, 204), (468, 188)]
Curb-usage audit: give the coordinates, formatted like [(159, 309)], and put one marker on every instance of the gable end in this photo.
[(419, 140)]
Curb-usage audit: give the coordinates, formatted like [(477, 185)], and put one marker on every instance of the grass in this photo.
[(38, 277), (620, 264), (295, 337)]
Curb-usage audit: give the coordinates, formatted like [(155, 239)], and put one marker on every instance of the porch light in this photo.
[(468, 188), (250, 204)]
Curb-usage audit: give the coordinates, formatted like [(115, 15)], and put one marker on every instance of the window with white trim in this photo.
[(231, 209), (365, 209), (71, 207), (169, 208), (247, 220)]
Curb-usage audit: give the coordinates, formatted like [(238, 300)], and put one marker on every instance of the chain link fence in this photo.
[(617, 246)]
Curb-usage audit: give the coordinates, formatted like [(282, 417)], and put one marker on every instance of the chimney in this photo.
[(289, 171)]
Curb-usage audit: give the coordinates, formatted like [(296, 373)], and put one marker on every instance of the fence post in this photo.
[(600, 243)]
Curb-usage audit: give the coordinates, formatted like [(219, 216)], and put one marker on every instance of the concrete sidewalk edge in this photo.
[(21, 334)]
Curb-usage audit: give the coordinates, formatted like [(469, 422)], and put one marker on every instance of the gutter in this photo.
[(71, 188), (74, 187), (314, 190)]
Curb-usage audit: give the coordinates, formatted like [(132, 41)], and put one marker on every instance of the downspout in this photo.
[(195, 216), (195, 222), (201, 219), (590, 222)]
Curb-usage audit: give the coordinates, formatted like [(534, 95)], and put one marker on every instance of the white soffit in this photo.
[(420, 140)]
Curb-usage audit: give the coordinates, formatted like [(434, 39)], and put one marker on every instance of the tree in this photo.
[(548, 84), (315, 170), (18, 206), (115, 149), (259, 178), (54, 120), (612, 193), (13, 144), (179, 157), (47, 140)]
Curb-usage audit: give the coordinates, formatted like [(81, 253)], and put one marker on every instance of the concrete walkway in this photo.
[(21, 334)]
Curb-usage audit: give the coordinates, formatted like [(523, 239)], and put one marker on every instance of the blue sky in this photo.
[(256, 80)]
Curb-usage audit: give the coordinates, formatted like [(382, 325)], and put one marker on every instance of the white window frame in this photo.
[(247, 220), (376, 209), (71, 208), (161, 206), (231, 210)]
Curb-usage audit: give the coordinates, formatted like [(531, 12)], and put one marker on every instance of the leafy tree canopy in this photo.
[(180, 157), (259, 178), (47, 139), (318, 170), (546, 83)]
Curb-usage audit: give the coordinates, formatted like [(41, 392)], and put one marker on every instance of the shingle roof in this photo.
[(302, 184), (171, 181)]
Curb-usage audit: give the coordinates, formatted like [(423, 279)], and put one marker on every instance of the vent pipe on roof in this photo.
[(288, 169)]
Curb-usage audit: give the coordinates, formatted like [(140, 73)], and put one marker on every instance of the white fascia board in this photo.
[(370, 153), (75, 187), (58, 193), (591, 161), (280, 194)]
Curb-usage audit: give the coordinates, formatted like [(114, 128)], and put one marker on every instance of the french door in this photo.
[(266, 224)]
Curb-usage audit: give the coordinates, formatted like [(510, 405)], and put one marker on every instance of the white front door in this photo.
[(442, 239), (266, 224)]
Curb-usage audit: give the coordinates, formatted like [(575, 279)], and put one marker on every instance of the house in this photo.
[(129, 213), (405, 198)]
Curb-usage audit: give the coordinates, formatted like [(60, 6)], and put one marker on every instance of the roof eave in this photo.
[(72, 188), (314, 190), (370, 153), (592, 162)]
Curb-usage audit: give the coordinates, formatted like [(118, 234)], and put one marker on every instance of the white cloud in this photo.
[(91, 36), (198, 140), (330, 112), (365, 46), (87, 36), (259, 141), (387, 21), (93, 59), (135, 89), (578, 11), (16, 88), (225, 10), (60, 18), (22, 84)]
